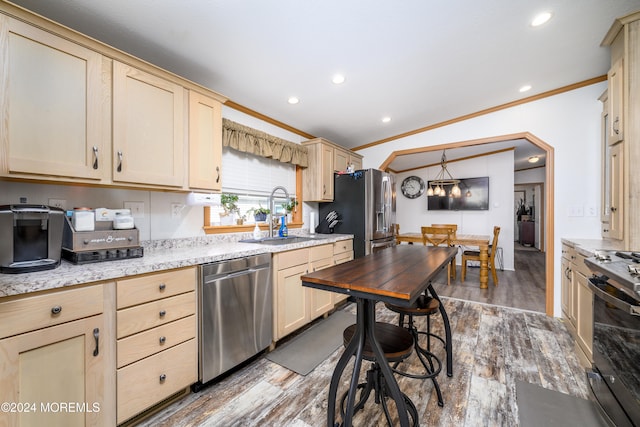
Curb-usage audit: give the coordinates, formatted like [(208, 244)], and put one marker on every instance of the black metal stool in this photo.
[(397, 345), (424, 306)]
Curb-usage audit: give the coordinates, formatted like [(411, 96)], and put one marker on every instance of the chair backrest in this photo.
[(452, 227), (436, 236), (494, 244)]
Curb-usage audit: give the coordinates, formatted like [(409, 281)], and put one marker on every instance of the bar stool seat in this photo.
[(397, 344), (424, 306)]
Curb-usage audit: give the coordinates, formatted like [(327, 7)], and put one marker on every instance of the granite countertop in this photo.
[(158, 256), (588, 247)]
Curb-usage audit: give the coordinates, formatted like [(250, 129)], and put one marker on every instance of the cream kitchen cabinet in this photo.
[(53, 347), (205, 142), (156, 333), (148, 126), (615, 126), (54, 106), (296, 305), (343, 158), (577, 301), (342, 252)]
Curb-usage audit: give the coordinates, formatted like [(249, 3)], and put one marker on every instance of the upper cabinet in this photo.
[(148, 131), (325, 158), (78, 111), (622, 131), (205, 142), (53, 102)]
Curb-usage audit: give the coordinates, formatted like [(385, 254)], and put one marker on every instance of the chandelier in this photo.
[(444, 178)]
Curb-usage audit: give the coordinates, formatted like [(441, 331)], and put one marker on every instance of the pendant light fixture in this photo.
[(444, 178)]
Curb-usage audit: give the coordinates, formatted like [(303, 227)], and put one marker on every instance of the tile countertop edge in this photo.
[(154, 260), (587, 247)]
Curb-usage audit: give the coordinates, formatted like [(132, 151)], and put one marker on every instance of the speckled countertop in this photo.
[(587, 247), (158, 255)]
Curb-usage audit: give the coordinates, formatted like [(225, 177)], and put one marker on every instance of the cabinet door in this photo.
[(148, 139), (356, 162), (292, 300), (53, 105), (616, 99), (340, 160), (339, 259), (205, 143), (584, 315), (616, 195), (327, 173), (321, 301), (567, 294), (50, 367)]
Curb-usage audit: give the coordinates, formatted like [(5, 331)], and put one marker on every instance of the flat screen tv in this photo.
[(474, 197)]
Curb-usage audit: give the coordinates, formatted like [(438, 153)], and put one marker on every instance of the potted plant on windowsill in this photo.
[(229, 202), (260, 213), (289, 207)]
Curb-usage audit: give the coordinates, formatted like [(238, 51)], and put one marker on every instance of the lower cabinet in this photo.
[(342, 252), (577, 302), (156, 330), (296, 305), (54, 373)]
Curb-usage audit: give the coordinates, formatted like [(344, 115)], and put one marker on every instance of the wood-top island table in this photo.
[(398, 275), (479, 240)]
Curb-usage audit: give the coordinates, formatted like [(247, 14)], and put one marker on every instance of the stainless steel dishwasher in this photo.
[(236, 313)]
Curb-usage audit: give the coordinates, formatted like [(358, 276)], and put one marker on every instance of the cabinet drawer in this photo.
[(139, 346), (319, 252), (146, 316), (292, 258), (144, 383), (342, 246), (567, 252), (342, 258), (35, 312), (155, 286), (580, 266)]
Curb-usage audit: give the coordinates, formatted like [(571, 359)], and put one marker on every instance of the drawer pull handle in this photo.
[(162, 286), (96, 335), (56, 310), (163, 377), (163, 313), (163, 340)]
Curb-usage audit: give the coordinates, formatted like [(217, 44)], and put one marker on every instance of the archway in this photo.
[(548, 194)]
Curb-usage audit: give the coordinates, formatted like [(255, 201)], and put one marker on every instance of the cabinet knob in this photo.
[(56, 310), (163, 340), (163, 377), (162, 313), (162, 286)]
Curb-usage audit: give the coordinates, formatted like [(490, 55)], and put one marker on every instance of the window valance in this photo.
[(253, 141)]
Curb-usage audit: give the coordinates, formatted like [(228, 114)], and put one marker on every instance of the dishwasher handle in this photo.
[(215, 278)]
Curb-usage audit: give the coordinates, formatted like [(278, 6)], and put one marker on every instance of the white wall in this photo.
[(411, 214), (570, 123)]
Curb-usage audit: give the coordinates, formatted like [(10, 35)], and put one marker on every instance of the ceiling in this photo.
[(418, 62)]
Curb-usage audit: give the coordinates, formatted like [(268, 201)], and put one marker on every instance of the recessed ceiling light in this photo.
[(386, 119), (338, 79), (534, 159), (293, 100), (525, 88), (540, 19)]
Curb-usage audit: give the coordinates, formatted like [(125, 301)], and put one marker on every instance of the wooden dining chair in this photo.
[(397, 232), (475, 256), (437, 236), (454, 229)]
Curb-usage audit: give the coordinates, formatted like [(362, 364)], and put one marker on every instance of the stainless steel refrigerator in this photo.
[(365, 202)]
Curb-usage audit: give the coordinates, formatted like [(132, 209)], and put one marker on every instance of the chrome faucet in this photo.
[(271, 207)]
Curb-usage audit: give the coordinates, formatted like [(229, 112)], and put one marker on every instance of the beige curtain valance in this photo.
[(249, 140)]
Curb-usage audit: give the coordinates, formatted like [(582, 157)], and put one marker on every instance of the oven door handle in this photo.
[(622, 305)]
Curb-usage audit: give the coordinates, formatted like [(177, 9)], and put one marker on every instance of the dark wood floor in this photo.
[(494, 347), (523, 288)]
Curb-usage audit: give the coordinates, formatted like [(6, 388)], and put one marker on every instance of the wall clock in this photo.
[(412, 187)]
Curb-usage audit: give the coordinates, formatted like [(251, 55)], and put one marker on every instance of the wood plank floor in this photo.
[(494, 347)]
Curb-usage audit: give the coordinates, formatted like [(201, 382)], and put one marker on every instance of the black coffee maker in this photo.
[(33, 238)]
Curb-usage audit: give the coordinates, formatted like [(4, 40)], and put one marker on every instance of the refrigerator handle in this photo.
[(385, 191)]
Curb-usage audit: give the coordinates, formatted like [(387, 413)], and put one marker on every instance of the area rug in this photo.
[(538, 406), (306, 351)]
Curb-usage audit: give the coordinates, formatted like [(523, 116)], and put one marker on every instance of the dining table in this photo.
[(398, 275), (479, 240)]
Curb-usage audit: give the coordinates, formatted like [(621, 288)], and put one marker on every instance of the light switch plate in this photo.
[(136, 208)]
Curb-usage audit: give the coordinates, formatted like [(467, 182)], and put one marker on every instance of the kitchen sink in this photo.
[(278, 240)]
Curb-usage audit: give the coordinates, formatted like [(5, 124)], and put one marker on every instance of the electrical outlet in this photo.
[(176, 209), (136, 208), (58, 203)]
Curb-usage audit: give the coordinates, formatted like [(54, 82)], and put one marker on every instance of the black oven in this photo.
[(616, 351)]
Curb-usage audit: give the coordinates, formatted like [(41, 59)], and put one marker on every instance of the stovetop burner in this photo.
[(621, 266), (633, 256)]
